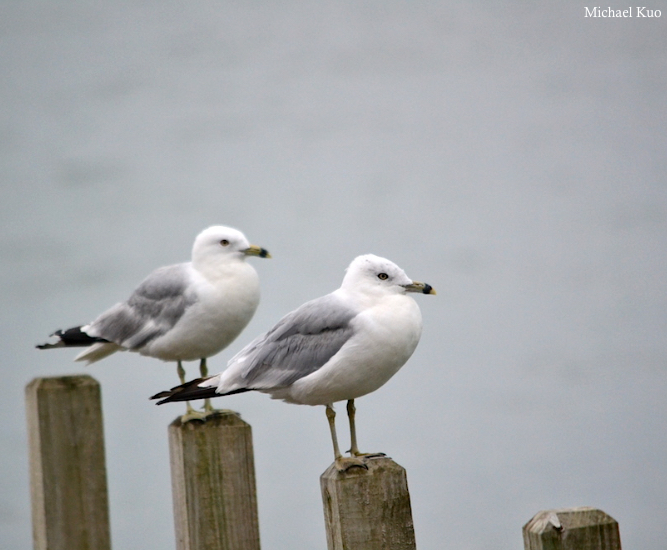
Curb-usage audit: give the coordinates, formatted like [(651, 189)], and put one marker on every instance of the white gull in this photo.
[(182, 312), (338, 347)]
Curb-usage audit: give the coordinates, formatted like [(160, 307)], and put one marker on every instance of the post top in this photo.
[(375, 465), (218, 418), (567, 518), (62, 382)]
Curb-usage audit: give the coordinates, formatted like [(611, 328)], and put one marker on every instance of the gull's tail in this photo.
[(190, 391)]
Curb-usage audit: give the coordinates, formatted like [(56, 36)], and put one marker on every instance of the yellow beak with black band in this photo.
[(416, 286), (254, 250)]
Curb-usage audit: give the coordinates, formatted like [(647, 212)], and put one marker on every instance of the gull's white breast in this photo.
[(226, 302)]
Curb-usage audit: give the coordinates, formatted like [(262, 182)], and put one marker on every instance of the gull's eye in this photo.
[(224, 242), (383, 276)]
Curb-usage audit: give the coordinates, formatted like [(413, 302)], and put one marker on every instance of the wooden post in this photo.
[(572, 529), (368, 509), (68, 482), (213, 484)]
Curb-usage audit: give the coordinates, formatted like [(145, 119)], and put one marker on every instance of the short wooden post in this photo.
[(572, 529), (68, 482), (213, 484), (368, 509)]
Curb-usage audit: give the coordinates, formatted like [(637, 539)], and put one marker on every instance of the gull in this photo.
[(182, 312), (338, 347)]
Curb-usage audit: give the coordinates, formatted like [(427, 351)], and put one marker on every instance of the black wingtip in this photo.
[(185, 392), (160, 395), (191, 391), (47, 346), (71, 338)]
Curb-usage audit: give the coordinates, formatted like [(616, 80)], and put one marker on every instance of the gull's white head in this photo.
[(219, 243), (373, 274)]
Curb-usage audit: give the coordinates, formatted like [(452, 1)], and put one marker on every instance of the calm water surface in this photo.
[(512, 157)]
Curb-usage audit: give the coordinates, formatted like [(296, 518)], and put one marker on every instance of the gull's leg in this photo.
[(354, 449), (208, 408), (181, 372), (331, 417), (190, 413), (342, 463), (203, 371), (351, 410)]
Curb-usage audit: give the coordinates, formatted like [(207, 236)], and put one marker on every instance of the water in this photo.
[(511, 156)]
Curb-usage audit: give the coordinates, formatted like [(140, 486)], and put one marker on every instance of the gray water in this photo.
[(511, 155)]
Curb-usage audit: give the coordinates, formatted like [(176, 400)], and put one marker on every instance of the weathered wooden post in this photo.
[(68, 482), (368, 509), (213, 484), (572, 529)]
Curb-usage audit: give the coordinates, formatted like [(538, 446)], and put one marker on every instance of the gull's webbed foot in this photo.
[(344, 463), (366, 455), (191, 414), (203, 415)]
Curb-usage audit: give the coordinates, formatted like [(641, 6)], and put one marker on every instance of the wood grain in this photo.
[(213, 484), (68, 481), (368, 509)]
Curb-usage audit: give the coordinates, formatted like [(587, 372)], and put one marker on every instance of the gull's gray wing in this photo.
[(152, 310), (299, 344)]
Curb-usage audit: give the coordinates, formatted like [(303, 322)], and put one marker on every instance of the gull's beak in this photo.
[(254, 250), (416, 286)]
